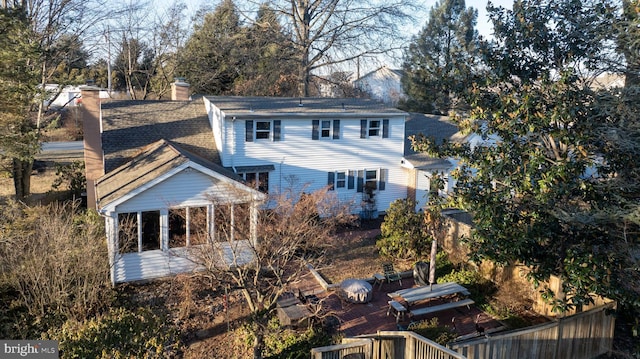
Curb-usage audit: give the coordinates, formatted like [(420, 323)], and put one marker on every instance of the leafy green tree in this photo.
[(442, 58), (19, 75), (545, 191)]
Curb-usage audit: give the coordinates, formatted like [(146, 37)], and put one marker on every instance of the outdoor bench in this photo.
[(441, 307)]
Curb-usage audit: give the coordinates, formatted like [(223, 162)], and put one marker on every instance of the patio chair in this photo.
[(391, 274)]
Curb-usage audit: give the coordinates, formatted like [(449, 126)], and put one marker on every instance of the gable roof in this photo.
[(436, 127), (381, 72), (248, 107), (150, 164), (130, 125)]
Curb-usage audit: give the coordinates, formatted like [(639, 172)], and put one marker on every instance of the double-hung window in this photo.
[(374, 128), (337, 180), (261, 130), (367, 180), (325, 129), (372, 180)]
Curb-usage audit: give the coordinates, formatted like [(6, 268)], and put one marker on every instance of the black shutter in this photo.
[(315, 132), (385, 128), (363, 128), (248, 133), (276, 130), (331, 180), (383, 179), (351, 180), (360, 180), (336, 129)]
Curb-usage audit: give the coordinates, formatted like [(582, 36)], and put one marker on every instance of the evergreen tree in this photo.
[(269, 68), (441, 60), (19, 56), (214, 52), (134, 68)]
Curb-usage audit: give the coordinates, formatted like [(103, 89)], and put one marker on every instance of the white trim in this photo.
[(110, 207)]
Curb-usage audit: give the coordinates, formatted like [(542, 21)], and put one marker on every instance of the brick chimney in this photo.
[(180, 90), (92, 128)]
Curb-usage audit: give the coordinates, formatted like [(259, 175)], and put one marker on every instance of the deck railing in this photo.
[(580, 336), (386, 345)]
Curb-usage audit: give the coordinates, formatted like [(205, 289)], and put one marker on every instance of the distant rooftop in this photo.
[(436, 127)]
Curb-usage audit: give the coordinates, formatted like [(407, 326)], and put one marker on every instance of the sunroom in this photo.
[(168, 211)]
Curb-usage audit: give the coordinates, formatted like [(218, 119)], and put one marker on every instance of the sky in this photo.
[(483, 24)]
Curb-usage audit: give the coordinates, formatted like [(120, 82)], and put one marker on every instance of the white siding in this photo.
[(297, 155), (423, 185), (187, 188)]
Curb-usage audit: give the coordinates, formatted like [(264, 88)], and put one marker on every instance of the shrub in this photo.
[(463, 277), (70, 177), (431, 329), (55, 258), (120, 333), (286, 343), (403, 232)]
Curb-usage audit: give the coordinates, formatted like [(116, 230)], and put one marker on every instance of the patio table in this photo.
[(412, 295), (356, 290)]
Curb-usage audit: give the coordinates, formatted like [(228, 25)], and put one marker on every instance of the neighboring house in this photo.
[(383, 84), (149, 163), (420, 167), (68, 96)]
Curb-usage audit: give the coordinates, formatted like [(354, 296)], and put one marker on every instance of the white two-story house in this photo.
[(352, 145), (165, 175)]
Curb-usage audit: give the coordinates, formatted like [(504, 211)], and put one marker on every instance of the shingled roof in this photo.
[(152, 162), (436, 127), (130, 125)]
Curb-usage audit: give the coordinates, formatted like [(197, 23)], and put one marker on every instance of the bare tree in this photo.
[(292, 234), (333, 32), (167, 41)]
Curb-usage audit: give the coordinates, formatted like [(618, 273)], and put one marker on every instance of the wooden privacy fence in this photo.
[(581, 336), (386, 345)]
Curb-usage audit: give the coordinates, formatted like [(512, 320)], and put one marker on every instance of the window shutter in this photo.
[(385, 128), (315, 132), (360, 180), (248, 126), (336, 129), (276, 130), (331, 180), (363, 128), (383, 179), (351, 180)]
